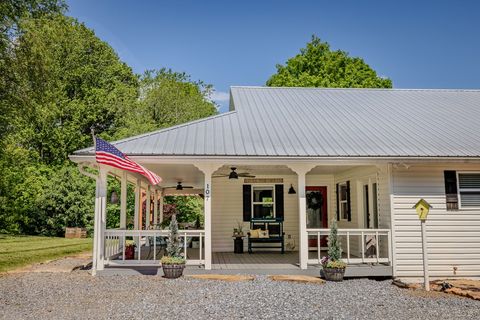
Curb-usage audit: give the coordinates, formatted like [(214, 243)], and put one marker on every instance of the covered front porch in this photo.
[(355, 194)]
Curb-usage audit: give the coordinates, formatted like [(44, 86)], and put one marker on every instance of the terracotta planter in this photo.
[(333, 274), (173, 271)]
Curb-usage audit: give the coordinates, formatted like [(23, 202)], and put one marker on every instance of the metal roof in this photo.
[(320, 122)]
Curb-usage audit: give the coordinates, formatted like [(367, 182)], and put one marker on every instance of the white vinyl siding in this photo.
[(453, 237)]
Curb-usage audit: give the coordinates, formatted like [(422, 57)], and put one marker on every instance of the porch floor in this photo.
[(261, 260), (259, 263)]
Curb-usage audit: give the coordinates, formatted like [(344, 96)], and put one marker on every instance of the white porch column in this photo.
[(208, 169), (147, 207), (301, 171), (123, 201), (155, 207), (161, 207), (138, 191), (99, 221)]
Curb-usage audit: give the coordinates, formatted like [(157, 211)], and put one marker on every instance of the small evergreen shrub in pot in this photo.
[(173, 263), (332, 265)]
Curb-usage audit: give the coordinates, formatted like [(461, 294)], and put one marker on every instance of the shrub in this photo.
[(172, 260), (333, 260)]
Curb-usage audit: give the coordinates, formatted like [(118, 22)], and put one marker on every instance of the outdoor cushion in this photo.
[(263, 234), (255, 233)]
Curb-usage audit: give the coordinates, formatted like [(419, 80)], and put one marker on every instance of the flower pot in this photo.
[(334, 274), (173, 271), (129, 252)]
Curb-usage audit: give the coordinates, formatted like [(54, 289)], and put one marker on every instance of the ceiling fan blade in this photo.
[(220, 176), (246, 175), (187, 187)]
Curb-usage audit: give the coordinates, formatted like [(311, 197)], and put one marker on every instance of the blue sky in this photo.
[(432, 44)]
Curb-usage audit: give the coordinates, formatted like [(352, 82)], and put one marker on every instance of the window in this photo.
[(343, 200), (263, 206), (469, 189)]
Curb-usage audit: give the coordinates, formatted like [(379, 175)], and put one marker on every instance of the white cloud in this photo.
[(220, 96)]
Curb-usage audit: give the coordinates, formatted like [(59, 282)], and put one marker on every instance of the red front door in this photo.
[(317, 214)]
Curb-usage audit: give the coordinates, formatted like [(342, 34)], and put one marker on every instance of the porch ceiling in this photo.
[(189, 175)]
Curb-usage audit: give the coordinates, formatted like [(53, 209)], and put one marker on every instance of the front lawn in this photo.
[(18, 251)]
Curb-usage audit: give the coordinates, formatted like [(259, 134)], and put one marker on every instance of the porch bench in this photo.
[(275, 234)]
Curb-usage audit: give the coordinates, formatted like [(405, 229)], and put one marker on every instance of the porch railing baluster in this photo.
[(155, 246), (200, 248), (356, 254), (363, 246), (348, 246), (318, 247), (185, 245)]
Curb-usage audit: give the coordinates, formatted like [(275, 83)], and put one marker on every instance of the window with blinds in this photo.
[(469, 189)]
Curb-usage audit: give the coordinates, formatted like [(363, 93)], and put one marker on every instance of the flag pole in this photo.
[(93, 137)]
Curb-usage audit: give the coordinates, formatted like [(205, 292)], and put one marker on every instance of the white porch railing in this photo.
[(151, 240), (356, 252)]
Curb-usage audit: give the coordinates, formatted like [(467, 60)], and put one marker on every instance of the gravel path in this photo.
[(78, 295)]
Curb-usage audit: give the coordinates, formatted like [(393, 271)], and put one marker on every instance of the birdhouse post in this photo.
[(423, 207)]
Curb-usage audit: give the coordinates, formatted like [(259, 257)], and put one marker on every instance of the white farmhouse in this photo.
[(288, 161)]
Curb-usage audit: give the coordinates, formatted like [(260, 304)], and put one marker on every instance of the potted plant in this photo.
[(173, 263), (332, 265), (130, 251), (238, 231)]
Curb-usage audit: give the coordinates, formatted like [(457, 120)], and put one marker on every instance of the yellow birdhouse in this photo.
[(422, 207)]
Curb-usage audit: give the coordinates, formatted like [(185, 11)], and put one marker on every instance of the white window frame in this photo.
[(460, 191), (273, 199), (340, 201)]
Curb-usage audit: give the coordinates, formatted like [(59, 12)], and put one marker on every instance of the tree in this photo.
[(69, 81), (334, 245), (167, 98), (60, 81), (318, 66), (11, 13)]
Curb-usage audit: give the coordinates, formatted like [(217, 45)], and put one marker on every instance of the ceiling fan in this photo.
[(234, 175), (179, 186)]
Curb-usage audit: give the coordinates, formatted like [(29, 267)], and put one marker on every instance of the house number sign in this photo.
[(207, 190)]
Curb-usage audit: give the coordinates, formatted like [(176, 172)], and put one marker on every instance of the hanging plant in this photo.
[(314, 200)]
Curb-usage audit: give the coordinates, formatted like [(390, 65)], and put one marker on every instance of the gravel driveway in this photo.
[(78, 295)]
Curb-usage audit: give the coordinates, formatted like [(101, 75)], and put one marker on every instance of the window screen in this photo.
[(469, 189)]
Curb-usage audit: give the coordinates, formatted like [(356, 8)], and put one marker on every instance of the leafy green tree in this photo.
[(61, 80), (318, 66), (167, 98), (71, 81), (11, 13)]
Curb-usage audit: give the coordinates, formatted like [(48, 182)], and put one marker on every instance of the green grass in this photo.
[(19, 251)]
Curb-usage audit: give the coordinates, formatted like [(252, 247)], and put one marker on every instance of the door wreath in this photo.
[(314, 200)]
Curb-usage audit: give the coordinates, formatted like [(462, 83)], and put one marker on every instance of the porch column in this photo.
[(99, 221), (301, 171), (148, 199), (123, 201), (155, 208), (136, 214), (161, 207), (208, 169)]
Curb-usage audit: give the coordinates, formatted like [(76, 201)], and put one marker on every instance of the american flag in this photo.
[(109, 155)]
